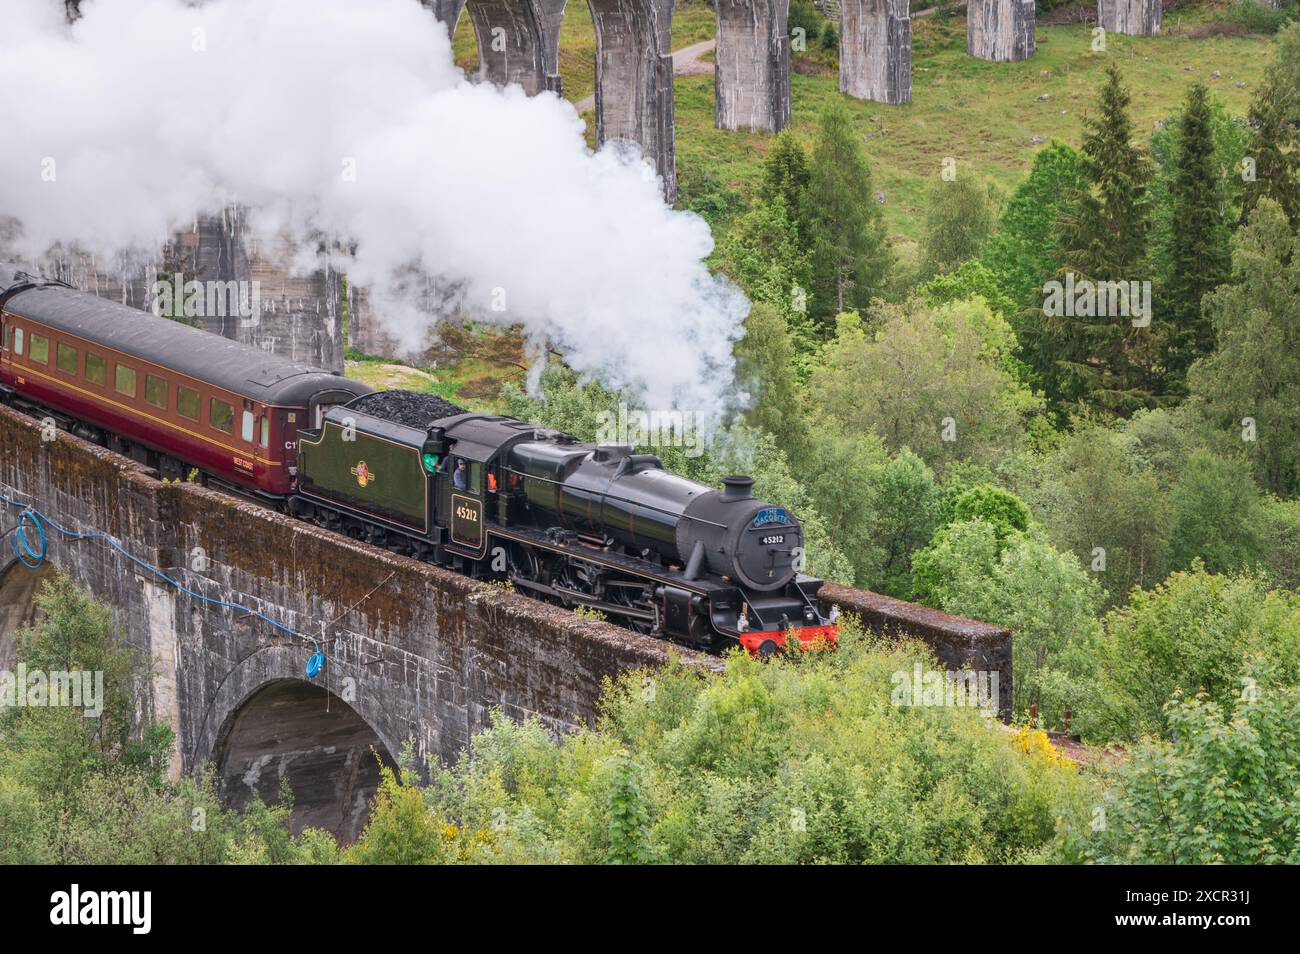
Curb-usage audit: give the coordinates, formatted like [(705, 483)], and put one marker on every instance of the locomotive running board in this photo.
[(612, 561), (585, 599)]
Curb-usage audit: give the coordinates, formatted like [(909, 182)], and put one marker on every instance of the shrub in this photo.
[(806, 758), (1043, 595), (1222, 792), (1002, 509), (1195, 633), (1258, 18)]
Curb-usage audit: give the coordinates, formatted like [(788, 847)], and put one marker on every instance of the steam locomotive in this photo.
[(584, 525)]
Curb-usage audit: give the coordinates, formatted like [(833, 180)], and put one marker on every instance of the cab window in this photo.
[(40, 349), (470, 478)]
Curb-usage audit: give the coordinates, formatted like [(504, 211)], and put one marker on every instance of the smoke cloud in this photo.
[(348, 119)]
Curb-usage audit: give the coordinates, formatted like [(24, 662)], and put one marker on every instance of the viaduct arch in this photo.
[(295, 733)]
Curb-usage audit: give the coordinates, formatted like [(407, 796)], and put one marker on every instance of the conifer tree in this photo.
[(1199, 255), (1250, 384), (785, 176), (1275, 146), (1022, 254), (1104, 359), (850, 257)]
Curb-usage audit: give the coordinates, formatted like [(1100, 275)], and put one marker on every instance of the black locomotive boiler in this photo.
[(580, 524)]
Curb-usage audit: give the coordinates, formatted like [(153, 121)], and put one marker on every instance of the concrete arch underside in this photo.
[(519, 40), (295, 733), (266, 722)]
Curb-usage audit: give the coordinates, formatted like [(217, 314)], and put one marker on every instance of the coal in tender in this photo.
[(410, 408)]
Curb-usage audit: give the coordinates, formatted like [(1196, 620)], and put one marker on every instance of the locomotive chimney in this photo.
[(737, 488)]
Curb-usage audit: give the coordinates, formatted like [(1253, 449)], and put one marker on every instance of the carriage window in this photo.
[(66, 357), (40, 349), (18, 341), (155, 391), (246, 427), (221, 415), (96, 369), (124, 380), (5, 345), (266, 431), (187, 403)]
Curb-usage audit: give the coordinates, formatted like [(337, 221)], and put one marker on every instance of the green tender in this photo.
[(368, 473)]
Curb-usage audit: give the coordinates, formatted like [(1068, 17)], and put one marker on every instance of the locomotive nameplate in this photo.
[(467, 521), (771, 516)]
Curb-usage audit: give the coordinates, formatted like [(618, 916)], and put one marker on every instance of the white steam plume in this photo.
[(155, 111)]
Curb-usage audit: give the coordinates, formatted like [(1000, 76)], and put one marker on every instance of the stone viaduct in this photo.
[(416, 655)]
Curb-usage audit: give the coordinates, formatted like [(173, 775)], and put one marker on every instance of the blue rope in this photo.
[(32, 558)]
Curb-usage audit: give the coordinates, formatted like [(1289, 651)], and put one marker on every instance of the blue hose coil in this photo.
[(32, 520), (315, 663), (29, 557)]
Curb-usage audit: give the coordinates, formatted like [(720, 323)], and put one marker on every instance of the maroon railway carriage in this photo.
[(169, 395)]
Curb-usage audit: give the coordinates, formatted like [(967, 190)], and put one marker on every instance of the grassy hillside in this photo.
[(991, 117), (986, 115)]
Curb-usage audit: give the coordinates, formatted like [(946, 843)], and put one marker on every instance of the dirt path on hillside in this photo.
[(686, 62)]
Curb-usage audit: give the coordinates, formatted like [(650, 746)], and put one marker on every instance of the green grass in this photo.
[(983, 114), (465, 382)]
